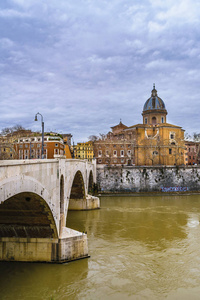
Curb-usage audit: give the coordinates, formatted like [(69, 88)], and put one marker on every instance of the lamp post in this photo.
[(36, 119)]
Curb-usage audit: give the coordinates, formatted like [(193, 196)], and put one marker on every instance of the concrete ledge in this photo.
[(89, 203)]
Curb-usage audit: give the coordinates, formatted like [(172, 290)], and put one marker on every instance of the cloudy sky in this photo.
[(84, 64)]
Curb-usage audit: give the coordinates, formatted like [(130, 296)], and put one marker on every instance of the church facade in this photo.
[(154, 142)]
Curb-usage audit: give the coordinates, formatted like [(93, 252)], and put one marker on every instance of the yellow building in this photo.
[(156, 141), (84, 151)]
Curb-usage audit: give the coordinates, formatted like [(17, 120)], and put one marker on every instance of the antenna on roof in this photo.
[(154, 86)]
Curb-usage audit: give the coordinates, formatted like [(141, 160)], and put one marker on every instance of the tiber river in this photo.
[(140, 248)]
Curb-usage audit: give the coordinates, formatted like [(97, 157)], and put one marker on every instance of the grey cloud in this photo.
[(86, 64)]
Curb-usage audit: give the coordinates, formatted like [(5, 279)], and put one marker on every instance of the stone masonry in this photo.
[(148, 179)]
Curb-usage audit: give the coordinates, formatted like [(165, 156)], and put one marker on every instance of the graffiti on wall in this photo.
[(174, 189)]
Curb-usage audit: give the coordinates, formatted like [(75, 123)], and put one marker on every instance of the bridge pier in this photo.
[(90, 202), (70, 246)]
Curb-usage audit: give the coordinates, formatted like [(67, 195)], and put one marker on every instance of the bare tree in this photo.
[(93, 138)]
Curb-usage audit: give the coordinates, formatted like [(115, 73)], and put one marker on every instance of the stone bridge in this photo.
[(35, 196)]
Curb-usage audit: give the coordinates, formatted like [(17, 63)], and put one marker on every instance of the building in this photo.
[(68, 138), (31, 147), (84, 151), (154, 142), (116, 148), (67, 152), (7, 149), (192, 153)]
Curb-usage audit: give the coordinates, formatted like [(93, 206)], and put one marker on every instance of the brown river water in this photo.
[(140, 248)]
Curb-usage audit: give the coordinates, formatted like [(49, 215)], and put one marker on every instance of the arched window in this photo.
[(154, 121)]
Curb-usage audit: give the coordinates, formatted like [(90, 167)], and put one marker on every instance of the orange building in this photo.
[(31, 147), (192, 156), (67, 152)]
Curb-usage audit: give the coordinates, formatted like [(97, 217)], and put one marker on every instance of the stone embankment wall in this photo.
[(148, 179)]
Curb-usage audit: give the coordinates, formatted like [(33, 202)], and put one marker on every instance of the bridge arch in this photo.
[(27, 215), (62, 193), (10, 187), (78, 187), (90, 182), (77, 191)]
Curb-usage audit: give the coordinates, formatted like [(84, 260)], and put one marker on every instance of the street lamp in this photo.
[(36, 119)]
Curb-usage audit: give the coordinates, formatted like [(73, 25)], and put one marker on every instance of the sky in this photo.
[(86, 64)]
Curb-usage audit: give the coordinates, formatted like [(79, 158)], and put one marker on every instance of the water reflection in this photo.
[(41, 281), (153, 221), (141, 248)]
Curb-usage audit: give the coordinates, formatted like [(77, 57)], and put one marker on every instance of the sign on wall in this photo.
[(174, 189)]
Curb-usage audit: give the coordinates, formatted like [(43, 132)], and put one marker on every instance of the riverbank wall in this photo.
[(136, 179)]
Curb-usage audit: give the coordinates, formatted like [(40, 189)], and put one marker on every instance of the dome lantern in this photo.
[(154, 111)]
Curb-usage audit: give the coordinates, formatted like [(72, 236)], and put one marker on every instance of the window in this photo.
[(115, 153), (56, 145), (129, 146), (162, 119), (32, 139), (20, 146), (107, 153), (122, 161), (38, 145), (122, 152), (26, 145), (38, 139), (32, 145), (173, 143), (99, 161), (145, 120), (170, 151), (171, 135), (99, 153), (114, 146), (155, 152), (154, 121), (129, 152)]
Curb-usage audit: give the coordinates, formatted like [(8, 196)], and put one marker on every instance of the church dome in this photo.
[(154, 102)]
